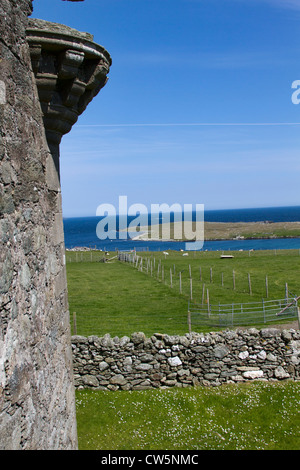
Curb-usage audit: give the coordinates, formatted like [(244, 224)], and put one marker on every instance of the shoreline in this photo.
[(221, 231), (218, 232), (138, 238)]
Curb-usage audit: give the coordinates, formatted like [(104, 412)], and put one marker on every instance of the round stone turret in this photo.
[(70, 70)]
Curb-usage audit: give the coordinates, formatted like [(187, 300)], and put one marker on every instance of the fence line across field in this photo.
[(150, 266), (239, 314), (221, 315)]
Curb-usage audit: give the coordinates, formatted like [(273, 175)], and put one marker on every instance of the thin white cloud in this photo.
[(193, 124), (224, 60), (291, 4), (286, 4)]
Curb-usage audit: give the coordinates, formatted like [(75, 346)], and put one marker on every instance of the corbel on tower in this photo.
[(70, 69)]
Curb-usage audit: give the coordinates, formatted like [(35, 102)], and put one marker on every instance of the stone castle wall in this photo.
[(37, 406), (139, 363), (49, 73)]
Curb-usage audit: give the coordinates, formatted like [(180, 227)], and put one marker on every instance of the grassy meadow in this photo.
[(116, 298), (252, 416)]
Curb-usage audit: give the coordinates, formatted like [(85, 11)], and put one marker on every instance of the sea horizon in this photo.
[(81, 231), (248, 214)]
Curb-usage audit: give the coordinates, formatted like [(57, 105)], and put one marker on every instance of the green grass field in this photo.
[(254, 416), (117, 298)]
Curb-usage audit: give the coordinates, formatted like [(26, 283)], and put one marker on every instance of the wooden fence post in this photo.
[(180, 290), (249, 282), (203, 294), (233, 279), (267, 287), (207, 295), (191, 288), (171, 281)]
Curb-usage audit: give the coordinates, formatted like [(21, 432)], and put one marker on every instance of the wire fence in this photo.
[(192, 285), (237, 314), (89, 256), (199, 282)]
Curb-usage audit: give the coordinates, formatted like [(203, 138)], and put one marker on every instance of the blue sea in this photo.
[(81, 232)]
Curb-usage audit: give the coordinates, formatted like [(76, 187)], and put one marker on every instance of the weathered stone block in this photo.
[(174, 361), (253, 374)]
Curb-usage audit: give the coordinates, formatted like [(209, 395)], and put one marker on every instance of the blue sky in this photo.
[(197, 109)]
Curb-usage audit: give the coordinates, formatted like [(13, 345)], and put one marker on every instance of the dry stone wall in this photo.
[(139, 363)]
